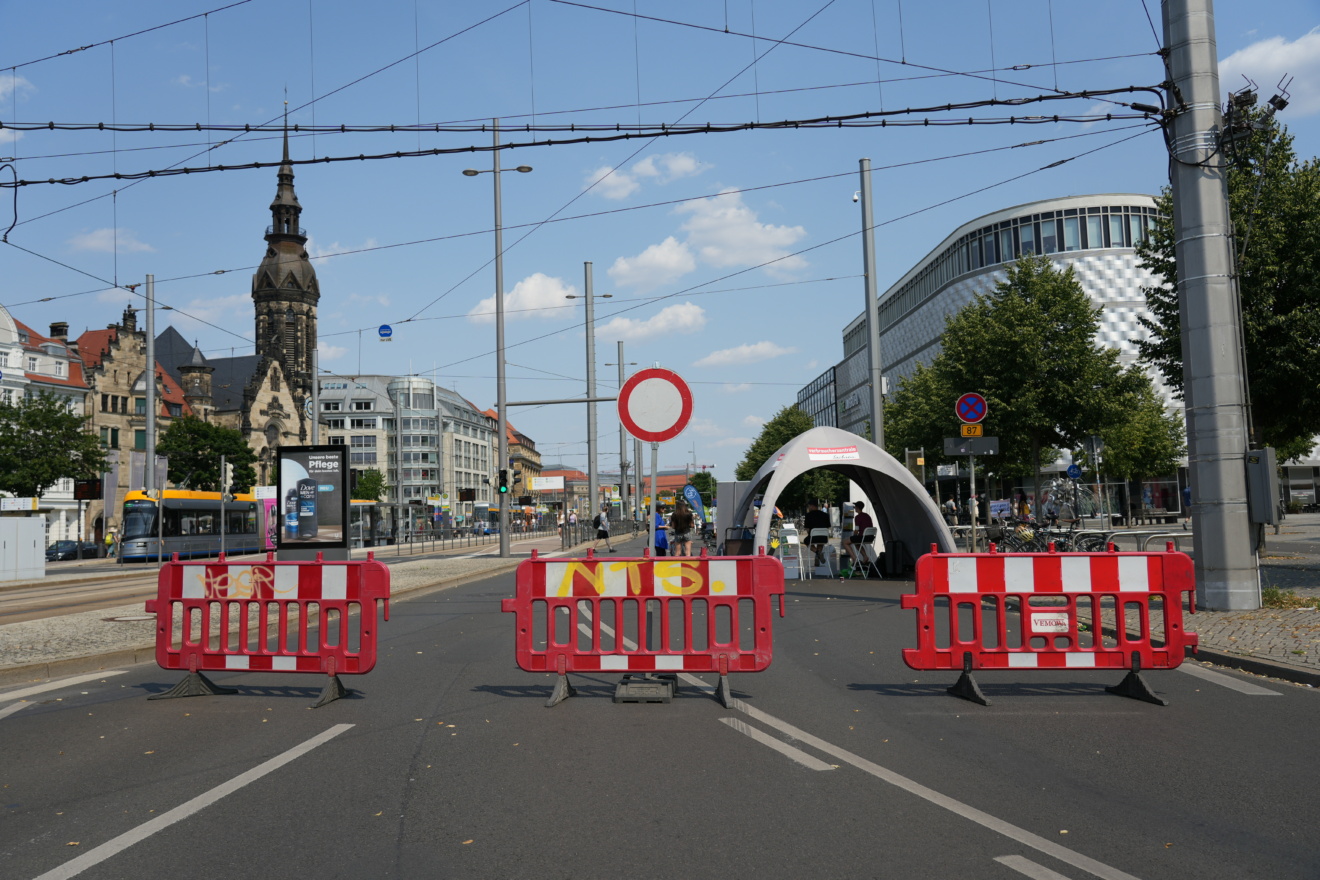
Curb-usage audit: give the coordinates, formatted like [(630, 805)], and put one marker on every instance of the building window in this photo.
[(330, 406), (32, 364), (334, 424), (105, 403), (114, 438), (362, 406), (362, 424), (140, 406), (140, 440), (337, 441), (174, 409), (362, 441)]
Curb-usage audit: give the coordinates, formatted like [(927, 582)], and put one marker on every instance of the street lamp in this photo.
[(623, 442), (502, 425), (593, 478)]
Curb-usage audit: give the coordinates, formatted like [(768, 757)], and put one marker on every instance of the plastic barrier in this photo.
[(268, 617), (1051, 611), (654, 616)]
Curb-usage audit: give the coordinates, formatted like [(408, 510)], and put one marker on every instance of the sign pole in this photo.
[(971, 499), (655, 459)]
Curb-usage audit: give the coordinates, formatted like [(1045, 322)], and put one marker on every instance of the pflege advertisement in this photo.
[(312, 500)]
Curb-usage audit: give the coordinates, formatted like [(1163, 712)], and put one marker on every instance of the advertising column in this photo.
[(312, 499)]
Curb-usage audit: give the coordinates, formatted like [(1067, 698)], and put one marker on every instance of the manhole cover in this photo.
[(128, 618)]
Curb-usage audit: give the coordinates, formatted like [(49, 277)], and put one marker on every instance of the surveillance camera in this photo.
[(856, 197)]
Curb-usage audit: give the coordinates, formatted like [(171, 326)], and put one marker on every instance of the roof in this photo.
[(93, 345), (231, 375)]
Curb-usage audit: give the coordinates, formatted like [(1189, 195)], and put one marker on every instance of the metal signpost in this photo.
[(971, 409), (655, 405)]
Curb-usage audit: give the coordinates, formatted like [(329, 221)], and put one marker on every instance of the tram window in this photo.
[(238, 522)]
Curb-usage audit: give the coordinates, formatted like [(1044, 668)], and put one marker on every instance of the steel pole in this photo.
[(872, 313), (655, 470), (1213, 375), (150, 476), (502, 425), (637, 477), (593, 478), (316, 397), (624, 506)]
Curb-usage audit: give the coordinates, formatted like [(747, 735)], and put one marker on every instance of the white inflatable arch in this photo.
[(899, 504)]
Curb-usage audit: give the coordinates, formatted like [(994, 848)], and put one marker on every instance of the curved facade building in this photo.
[(1095, 234)]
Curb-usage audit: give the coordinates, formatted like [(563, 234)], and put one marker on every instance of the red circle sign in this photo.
[(655, 405), (971, 407)]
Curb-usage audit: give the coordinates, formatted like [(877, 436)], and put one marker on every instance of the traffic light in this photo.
[(226, 477), (504, 482)]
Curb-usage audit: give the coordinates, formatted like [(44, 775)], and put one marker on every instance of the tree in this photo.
[(1274, 202), (194, 448), (42, 442), (705, 483), (370, 485), (1029, 348), (788, 423), (1148, 443)]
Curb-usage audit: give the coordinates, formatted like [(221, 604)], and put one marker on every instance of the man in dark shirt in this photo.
[(816, 519), (861, 522)]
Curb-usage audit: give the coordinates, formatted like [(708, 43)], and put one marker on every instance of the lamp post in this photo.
[(593, 477), (624, 507), (502, 425), (872, 313)]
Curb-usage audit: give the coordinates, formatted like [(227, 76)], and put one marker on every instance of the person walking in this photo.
[(681, 524), (110, 544), (602, 524), (951, 511)]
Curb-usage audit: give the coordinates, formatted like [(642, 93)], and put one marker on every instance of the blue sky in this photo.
[(733, 259)]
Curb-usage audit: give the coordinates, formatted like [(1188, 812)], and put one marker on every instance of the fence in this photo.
[(317, 617)]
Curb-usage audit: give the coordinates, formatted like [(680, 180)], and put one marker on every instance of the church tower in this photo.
[(284, 289), (195, 378)]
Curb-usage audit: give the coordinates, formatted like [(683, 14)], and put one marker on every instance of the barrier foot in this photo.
[(645, 689), (195, 685), (967, 688), (563, 690), (334, 689), (723, 693), (1134, 686)]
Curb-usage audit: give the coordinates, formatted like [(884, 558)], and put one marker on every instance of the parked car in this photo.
[(64, 550)]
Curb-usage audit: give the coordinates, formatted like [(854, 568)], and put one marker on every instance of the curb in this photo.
[(1257, 666)]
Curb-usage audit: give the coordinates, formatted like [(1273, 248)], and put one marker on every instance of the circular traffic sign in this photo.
[(655, 405), (971, 407), (1074, 472), (385, 331)]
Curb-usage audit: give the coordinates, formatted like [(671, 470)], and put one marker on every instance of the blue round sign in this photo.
[(386, 331), (1074, 472)]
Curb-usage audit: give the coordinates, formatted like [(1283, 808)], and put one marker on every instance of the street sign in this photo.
[(655, 405), (971, 446), (1074, 472), (971, 407), (973, 430), (385, 331)]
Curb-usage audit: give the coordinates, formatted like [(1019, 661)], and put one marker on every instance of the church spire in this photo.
[(285, 211)]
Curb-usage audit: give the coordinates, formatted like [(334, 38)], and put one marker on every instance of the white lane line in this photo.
[(12, 708), (56, 685), (1029, 868), (765, 739), (116, 845), (985, 820), (1228, 681)]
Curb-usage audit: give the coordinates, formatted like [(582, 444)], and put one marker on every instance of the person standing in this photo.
[(951, 511), (110, 544), (661, 534), (681, 524), (602, 524)]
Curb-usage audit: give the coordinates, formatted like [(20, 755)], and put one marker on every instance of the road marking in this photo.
[(56, 685), (116, 845), (1228, 681), (985, 820), (11, 709), (1029, 868), (765, 739)]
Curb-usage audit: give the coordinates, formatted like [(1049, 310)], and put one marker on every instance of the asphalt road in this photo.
[(836, 762)]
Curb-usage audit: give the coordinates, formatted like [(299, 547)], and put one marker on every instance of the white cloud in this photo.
[(738, 388), (617, 185), (1269, 60), (188, 82), (669, 167), (705, 428), (233, 311), (536, 296), (105, 241), (812, 364), (315, 251), (725, 233), (11, 85), (733, 441), (753, 421), (370, 299), (658, 265), (115, 295), (678, 318), (329, 352), (747, 353)]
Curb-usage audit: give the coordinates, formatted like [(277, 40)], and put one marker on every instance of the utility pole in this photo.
[(150, 469), (593, 478), (624, 507), (1214, 382), (872, 312)]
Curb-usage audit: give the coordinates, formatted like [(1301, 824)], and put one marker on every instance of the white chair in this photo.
[(790, 554), (867, 557), (821, 537)]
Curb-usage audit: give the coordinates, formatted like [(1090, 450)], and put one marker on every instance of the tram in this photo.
[(191, 525)]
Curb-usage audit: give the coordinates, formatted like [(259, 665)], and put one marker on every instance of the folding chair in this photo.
[(790, 554), (818, 537), (867, 557)]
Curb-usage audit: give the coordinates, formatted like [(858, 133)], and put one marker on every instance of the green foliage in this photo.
[(370, 485), (1029, 348), (1148, 442), (1275, 204), (705, 483), (194, 448), (820, 484), (41, 443)]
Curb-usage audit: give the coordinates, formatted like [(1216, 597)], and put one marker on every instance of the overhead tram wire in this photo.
[(861, 55), (608, 212), (892, 220)]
